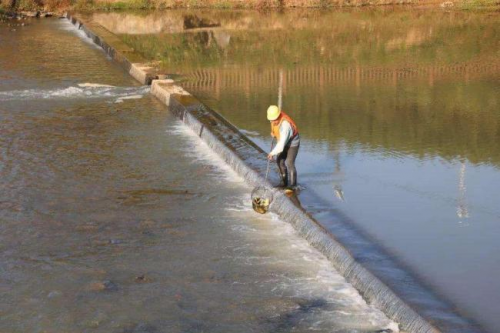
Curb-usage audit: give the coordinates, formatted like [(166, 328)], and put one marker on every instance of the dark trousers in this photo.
[(286, 164)]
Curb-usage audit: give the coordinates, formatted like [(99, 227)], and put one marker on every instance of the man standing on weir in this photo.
[(284, 129)]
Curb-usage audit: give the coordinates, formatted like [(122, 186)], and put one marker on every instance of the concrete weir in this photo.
[(381, 279)]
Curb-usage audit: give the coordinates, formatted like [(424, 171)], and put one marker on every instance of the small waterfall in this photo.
[(380, 279)]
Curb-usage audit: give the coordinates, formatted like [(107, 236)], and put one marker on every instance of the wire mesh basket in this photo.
[(261, 199)]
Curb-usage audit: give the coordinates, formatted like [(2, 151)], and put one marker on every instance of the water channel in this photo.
[(399, 113), (115, 218)]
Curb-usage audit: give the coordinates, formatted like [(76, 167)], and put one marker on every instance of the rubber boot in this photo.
[(284, 180), (292, 184)]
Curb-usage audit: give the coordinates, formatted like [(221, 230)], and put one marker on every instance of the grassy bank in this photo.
[(479, 4), (233, 4), (95, 5), (109, 5)]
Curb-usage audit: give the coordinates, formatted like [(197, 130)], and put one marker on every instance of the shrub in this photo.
[(56, 4), (28, 4), (478, 4), (83, 4)]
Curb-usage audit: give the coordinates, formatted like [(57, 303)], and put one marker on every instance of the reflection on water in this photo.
[(399, 111), (462, 210), (419, 75), (113, 218)]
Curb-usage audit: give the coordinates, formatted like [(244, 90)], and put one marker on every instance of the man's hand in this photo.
[(270, 157)]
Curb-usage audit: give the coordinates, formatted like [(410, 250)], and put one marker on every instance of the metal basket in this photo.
[(261, 199)]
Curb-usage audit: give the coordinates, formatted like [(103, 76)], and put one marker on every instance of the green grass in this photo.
[(27, 5), (90, 5), (96, 5), (447, 44), (479, 4), (223, 5)]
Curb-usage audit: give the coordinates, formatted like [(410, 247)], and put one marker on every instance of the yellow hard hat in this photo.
[(273, 112)]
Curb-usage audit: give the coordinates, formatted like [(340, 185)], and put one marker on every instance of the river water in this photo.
[(115, 218), (399, 115)]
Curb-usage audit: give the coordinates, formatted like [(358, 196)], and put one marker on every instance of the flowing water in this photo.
[(399, 115), (115, 218)]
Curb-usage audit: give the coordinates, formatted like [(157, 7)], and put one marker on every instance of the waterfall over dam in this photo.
[(379, 277)]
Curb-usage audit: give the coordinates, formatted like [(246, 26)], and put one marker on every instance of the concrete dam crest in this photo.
[(380, 278)]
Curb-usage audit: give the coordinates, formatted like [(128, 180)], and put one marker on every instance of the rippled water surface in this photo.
[(399, 114), (115, 218)]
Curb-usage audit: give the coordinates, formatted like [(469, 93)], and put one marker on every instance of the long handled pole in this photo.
[(268, 160), (280, 104), (280, 91)]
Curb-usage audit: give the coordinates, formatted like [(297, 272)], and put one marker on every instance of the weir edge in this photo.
[(414, 314)]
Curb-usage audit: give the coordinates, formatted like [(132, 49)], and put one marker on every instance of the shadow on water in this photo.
[(195, 22), (286, 322), (141, 328)]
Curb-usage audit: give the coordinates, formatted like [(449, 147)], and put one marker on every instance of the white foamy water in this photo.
[(66, 25), (121, 99), (94, 85), (313, 279), (200, 151), (83, 90), (157, 217), (317, 278)]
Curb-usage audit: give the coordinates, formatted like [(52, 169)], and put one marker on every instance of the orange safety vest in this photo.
[(275, 125)]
